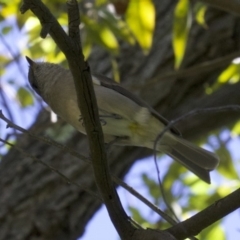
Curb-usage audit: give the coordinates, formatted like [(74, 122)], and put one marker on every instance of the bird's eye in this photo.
[(35, 88)]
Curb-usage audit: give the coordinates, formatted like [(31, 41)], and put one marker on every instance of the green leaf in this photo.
[(6, 30), (227, 188), (174, 173), (25, 97), (197, 186), (117, 26), (153, 187), (136, 215), (5, 61), (99, 3), (200, 11), (21, 18), (87, 47), (230, 74), (197, 202), (48, 45), (214, 231), (140, 17), (10, 9), (181, 26), (226, 167), (236, 129), (115, 70), (101, 34)]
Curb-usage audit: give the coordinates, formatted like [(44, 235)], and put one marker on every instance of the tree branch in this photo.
[(64, 177), (206, 217), (205, 67), (74, 153), (71, 47), (232, 6), (194, 113)]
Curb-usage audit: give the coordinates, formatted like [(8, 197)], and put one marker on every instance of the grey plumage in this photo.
[(122, 115)]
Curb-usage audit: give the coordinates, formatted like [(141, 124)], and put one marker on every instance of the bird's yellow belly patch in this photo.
[(135, 128), (139, 133)]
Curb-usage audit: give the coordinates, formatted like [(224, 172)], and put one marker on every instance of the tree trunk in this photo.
[(37, 204)]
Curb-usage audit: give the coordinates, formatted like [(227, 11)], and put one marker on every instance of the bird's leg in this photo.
[(101, 119)]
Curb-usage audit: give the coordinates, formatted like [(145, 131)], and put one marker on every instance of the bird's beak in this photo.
[(30, 61)]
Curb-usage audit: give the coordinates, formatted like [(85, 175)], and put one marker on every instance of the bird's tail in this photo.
[(196, 159)]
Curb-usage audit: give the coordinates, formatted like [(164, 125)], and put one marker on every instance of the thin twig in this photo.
[(188, 115), (71, 47), (162, 189), (144, 200), (231, 6), (171, 124), (185, 73), (194, 113), (85, 188), (15, 57), (206, 217), (44, 139), (81, 157), (5, 104)]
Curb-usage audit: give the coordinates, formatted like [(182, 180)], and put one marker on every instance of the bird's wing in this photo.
[(109, 83)]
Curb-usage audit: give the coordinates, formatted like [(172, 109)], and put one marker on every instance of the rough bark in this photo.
[(37, 204)]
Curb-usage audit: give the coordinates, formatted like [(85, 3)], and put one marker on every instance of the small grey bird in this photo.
[(123, 116)]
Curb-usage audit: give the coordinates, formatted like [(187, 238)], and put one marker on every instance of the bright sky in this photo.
[(103, 227)]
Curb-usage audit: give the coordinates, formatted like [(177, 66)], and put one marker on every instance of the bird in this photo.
[(126, 119)]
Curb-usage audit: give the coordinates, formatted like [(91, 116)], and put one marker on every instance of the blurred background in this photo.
[(176, 55)]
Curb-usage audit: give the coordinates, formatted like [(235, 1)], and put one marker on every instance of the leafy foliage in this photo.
[(101, 26), (25, 97), (181, 26), (140, 17), (199, 12)]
